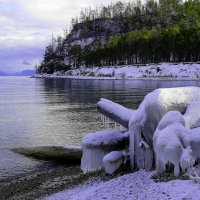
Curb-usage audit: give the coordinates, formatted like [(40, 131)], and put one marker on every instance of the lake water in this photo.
[(55, 112)]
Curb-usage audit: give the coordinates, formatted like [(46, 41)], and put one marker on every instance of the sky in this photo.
[(26, 27)]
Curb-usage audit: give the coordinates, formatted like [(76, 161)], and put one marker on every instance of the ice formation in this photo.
[(166, 122), (112, 161), (97, 145), (155, 105), (172, 143)]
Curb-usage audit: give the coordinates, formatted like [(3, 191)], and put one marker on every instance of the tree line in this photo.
[(175, 44), (164, 31)]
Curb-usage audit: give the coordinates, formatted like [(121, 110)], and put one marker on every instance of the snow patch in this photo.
[(113, 161), (136, 185), (102, 138)]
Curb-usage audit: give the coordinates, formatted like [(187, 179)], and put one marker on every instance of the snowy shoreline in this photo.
[(162, 71), (138, 185)]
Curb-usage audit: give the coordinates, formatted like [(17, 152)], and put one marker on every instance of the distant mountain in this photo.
[(3, 73), (22, 73), (25, 73)]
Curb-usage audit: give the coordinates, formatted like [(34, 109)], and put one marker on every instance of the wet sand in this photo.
[(48, 181)]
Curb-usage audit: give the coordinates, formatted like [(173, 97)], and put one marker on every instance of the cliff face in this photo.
[(92, 34), (97, 30)]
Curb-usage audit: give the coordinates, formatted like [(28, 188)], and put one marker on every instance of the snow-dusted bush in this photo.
[(97, 145), (172, 143), (112, 161)]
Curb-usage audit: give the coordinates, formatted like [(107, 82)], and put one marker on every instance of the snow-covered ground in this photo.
[(162, 70), (132, 186)]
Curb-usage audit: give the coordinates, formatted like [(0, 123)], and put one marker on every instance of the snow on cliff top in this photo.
[(132, 186)]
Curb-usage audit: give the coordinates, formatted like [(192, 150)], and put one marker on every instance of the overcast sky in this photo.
[(26, 27)]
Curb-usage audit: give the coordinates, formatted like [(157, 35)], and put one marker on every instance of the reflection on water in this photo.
[(37, 112)]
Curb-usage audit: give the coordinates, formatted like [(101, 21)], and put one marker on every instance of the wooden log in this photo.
[(115, 112)]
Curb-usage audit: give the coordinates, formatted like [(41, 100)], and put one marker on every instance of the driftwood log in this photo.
[(115, 112)]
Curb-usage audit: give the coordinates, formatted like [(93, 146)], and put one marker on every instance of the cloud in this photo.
[(11, 59), (28, 25), (26, 63)]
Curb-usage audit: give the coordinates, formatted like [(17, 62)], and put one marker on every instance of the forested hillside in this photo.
[(128, 33)]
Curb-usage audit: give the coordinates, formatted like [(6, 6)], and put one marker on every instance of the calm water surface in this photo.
[(41, 112)]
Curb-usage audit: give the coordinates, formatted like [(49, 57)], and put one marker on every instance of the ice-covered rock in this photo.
[(145, 119), (97, 145), (172, 143), (112, 161)]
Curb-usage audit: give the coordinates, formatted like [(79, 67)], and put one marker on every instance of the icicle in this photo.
[(115, 125), (103, 120), (148, 159), (146, 154), (101, 117), (108, 123)]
